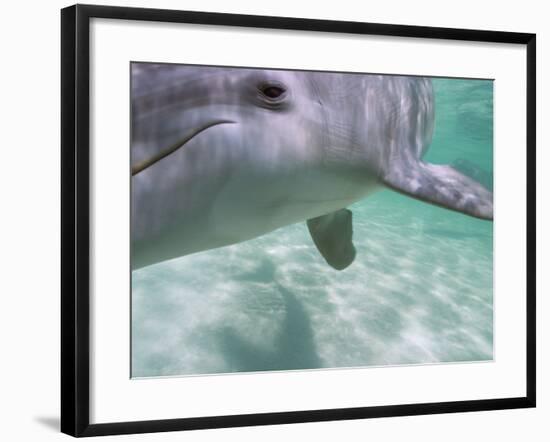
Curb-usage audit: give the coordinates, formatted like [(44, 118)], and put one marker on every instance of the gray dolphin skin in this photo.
[(223, 155)]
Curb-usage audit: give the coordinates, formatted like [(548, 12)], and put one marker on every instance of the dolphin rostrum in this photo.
[(224, 155)]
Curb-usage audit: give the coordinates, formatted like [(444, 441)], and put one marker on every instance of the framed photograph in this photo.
[(275, 220)]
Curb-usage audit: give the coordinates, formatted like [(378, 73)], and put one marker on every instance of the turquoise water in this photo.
[(420, 290)]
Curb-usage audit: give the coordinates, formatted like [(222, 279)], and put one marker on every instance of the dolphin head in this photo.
[(279, 139)]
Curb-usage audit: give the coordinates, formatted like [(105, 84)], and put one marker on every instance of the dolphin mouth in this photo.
[(142, 165)]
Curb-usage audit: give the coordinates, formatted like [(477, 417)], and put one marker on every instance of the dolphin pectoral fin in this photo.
[(443, 186), (332, 234), (482, 176)]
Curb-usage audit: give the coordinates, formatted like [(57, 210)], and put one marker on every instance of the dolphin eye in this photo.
[(272, 91)]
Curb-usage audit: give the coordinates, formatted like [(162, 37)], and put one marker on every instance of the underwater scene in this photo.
[(415, 286)]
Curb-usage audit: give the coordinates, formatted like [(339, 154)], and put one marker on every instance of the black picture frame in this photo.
[(75, 226)]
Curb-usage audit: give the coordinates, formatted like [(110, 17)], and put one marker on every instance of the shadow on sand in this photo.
[(294, 348)]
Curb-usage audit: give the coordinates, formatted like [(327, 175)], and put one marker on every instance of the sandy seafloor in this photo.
[(420, 290)]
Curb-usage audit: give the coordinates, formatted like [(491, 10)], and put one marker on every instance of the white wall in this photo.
[(29, 241)]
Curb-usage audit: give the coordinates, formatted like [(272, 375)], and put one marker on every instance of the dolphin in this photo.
[(221, 155)]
